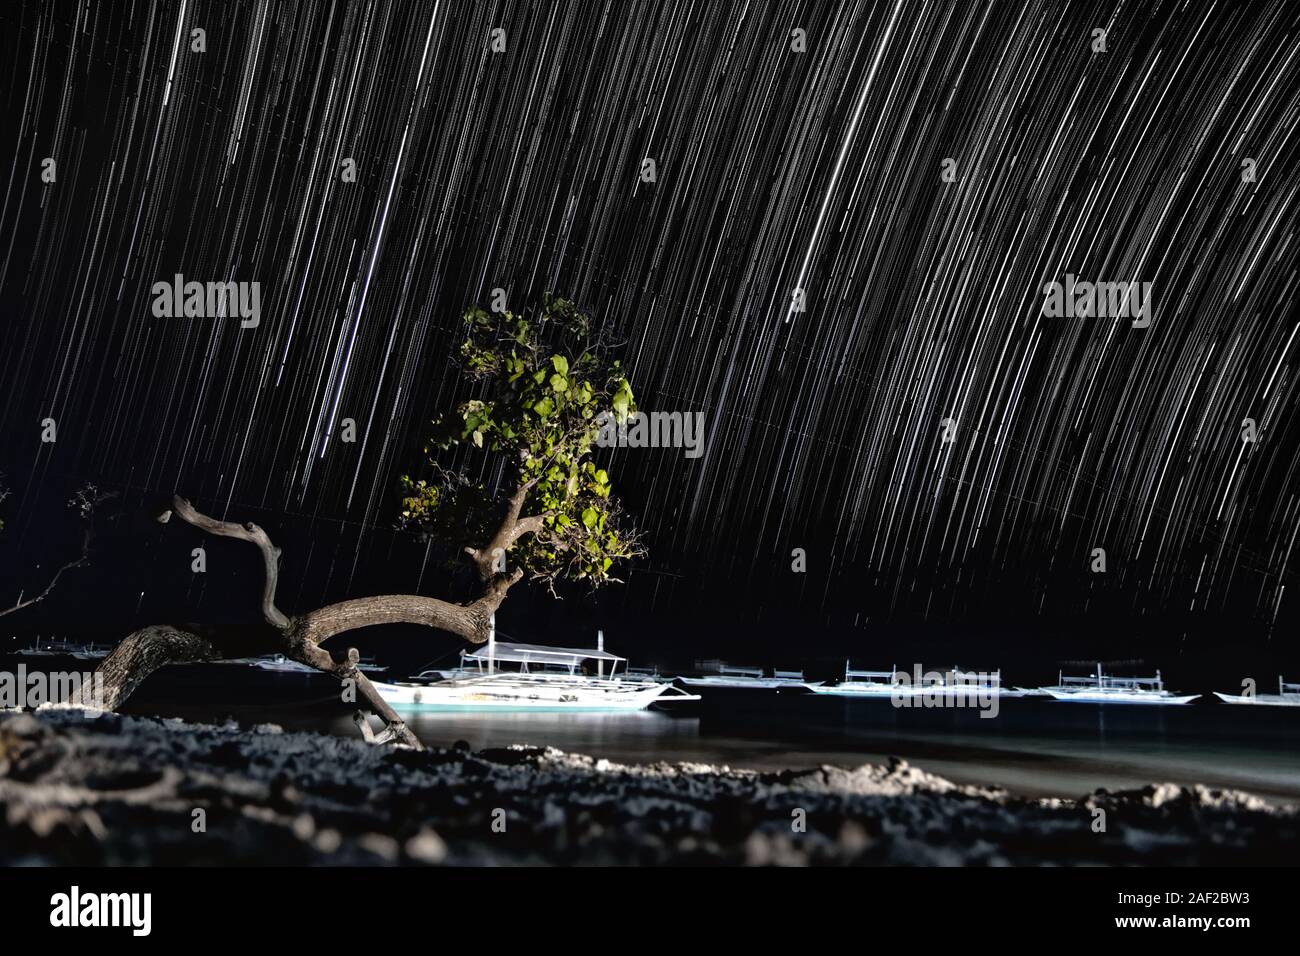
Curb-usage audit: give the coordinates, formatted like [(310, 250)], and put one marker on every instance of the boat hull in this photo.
[(748, 683), (487, 694), (911, 690), (1119, 697), (1260, 700)]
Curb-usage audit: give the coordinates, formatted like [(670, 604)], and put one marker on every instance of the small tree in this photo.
[(544, 384)]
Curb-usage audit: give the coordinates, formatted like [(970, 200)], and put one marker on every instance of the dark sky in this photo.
[(775, 170)]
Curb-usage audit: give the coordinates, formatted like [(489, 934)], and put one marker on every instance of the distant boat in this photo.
[(280, 664), (647, 674), (895, 683), (1288, 695), (283, 665), (1103, 688), (65, 648), (860, 683), (722, 674), (543, 679)]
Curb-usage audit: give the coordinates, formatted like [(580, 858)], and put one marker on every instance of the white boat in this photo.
[(1288, 695), (722, 674), (468, 667), (860, 683), (543, 679), (1103, 688), (895, 683)]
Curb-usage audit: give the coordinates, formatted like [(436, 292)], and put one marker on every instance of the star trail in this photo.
[(844, 246)]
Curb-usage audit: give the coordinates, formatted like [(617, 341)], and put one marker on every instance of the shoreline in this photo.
[(1035, 767), (115, 789)]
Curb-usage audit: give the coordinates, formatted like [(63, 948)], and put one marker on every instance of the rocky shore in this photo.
[(123, 790)]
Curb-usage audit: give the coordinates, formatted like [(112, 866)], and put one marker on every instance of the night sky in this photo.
[(775, 170)]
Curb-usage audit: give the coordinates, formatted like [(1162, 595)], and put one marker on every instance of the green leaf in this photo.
[(561, 364), (622, 401), (589, 518)]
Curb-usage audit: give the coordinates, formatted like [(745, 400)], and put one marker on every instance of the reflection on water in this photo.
[(1034, 746), (1037, 748), (643, 736)]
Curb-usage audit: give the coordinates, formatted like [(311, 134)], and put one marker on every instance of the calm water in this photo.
[(1034, 746)]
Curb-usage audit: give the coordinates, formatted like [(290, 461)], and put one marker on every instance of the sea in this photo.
[(1035, 747)]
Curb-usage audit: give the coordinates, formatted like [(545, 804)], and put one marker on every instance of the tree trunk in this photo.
[(138, 656), (299, 638)]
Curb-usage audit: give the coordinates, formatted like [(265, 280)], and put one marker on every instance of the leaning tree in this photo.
[(544, 383)]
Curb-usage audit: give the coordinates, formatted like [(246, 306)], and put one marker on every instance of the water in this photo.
[(1035, 746)]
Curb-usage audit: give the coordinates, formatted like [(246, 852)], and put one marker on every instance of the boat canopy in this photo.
[(540, 654), (850, 674), (1110, 682)]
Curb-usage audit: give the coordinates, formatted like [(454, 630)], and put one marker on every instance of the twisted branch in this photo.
[(244, 532), (299, 638)]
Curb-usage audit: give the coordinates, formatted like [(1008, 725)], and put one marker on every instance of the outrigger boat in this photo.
[(1107, 689), (896, 683), (860, 683), (722, 674), (1288, 695), (544, 679)]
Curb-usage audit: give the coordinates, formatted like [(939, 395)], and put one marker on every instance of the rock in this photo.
[(426, 847)]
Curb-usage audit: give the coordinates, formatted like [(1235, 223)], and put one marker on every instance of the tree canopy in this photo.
[(542, 382)]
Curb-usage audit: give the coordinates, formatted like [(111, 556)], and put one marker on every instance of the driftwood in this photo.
[(299, 638)]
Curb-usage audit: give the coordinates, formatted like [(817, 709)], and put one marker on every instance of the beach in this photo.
[(119, 790)]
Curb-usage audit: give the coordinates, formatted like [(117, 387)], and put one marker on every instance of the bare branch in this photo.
[(244, 532), (84, 502), (76, 563), (470, 621), (345, 669)]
